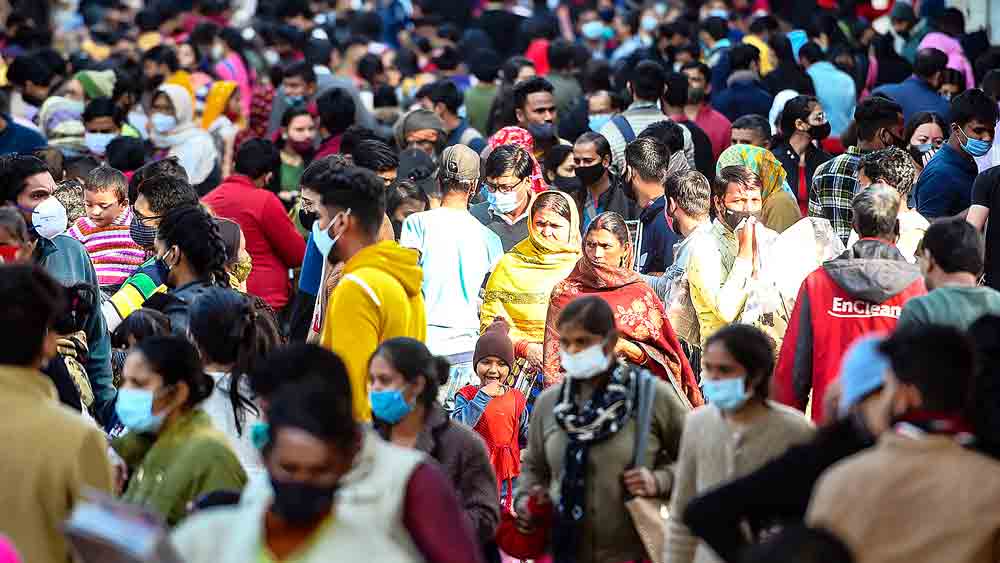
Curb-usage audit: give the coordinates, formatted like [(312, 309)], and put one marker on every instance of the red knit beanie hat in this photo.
[(495, 342)]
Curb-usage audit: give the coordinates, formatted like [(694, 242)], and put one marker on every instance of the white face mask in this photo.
[(585, 364), (49, 218)]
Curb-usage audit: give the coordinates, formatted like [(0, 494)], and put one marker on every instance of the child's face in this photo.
[(491, 368), (102, 207), (13, 249)]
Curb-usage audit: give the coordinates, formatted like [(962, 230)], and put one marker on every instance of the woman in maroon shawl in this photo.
[(646, 338)]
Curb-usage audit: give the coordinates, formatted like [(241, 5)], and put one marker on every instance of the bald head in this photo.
[(875, 211)]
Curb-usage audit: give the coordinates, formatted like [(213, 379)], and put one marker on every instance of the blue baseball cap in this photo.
[(861, 371)]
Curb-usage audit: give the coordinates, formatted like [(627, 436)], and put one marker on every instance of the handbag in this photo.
[(647, 512)]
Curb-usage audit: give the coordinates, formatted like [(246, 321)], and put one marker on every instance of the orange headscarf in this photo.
[(216, 101)]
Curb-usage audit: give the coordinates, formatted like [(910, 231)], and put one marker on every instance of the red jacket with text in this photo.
[(861, 291)]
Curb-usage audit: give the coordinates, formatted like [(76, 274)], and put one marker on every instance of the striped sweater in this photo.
[(111, 249)]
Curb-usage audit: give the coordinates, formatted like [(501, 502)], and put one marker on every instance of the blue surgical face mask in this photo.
[(593, 30), (134, 408), (389, 406), (292, 101), (649, 23), (163, 123), (598, 121), (97, 143), (504, 202), (321, 237), (727, 394), (260, 434), (975, 147)]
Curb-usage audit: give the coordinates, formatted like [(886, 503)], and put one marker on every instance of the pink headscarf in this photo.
[(956, 55), (523, 139)]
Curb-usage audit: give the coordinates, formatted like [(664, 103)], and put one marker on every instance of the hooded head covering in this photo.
[(192, 146), (422, 123), (520, 137), (97, 83), (215, 103), (61, 123), (495, 342)]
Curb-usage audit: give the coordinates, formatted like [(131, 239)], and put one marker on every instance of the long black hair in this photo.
[(752, 349), (192, 229), (176, 360), (228, 330)]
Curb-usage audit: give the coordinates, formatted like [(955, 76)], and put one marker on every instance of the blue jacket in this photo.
[(915, 96), (18, 138), (65, 259), (743, 97), (657, 251), (945, 185)]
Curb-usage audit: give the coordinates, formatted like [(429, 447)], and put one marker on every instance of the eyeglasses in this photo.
[(503, 189), (144, 220)]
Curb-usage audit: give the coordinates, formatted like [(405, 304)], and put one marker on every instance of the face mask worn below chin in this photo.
[(49, 218), (389, 406), (134, 408), (727, 394), (585, 364)]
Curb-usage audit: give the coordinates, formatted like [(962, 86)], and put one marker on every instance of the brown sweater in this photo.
[(923, 500)]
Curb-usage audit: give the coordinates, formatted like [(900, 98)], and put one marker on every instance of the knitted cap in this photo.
[(861, 371), (495, 342), (97, 84)]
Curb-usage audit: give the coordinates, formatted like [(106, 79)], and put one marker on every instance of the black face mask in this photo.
[(732, 219), (301, 503), (307, 218), (142, 235), (590, 175), (542, 133), (397, 227), (32, 100), (819, 132), (568, 184)]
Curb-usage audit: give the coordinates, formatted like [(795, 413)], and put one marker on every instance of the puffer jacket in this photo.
[(861, 291)]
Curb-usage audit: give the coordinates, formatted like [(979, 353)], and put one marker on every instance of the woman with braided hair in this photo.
[(233, 335), (191, 257)]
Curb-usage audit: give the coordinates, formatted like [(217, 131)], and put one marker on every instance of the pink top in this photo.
[(114, 254), (956, 55), (232, 68)]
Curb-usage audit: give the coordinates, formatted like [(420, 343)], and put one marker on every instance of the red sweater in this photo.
[(272, 240), (860, 292)]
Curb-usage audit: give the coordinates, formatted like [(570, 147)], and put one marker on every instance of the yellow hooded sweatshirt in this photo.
[(377, 299)]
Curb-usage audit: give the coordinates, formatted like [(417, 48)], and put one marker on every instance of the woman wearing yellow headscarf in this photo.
[(780, 210), (223, 119), (519, 287)]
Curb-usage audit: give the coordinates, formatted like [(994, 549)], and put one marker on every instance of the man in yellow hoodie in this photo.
[(379, 296)]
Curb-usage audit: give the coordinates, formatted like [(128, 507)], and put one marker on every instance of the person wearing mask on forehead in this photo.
[(324, 468), (647, 161), (863, 290), (835, 182), (421, 129), (535, 112), (893, 167), (920, 92), (752, 130), (28, 186), (696, 107), (373, 302), (582, 438), (945, 185), (172, 450), (103, 122), (173, 132), (834, 88), (924, 466), (603, 190), (507, 178), (803, 126), (645, 88), (738, 431), (720, 266)]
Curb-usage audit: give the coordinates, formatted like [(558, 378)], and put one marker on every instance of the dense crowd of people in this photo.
[(569, 280)]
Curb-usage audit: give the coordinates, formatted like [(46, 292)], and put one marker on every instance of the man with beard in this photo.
[(603, 190)]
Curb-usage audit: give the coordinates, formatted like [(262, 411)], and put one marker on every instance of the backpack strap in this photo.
[(624, 127)]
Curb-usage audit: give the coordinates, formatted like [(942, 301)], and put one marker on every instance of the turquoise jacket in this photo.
[(66, 260)]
